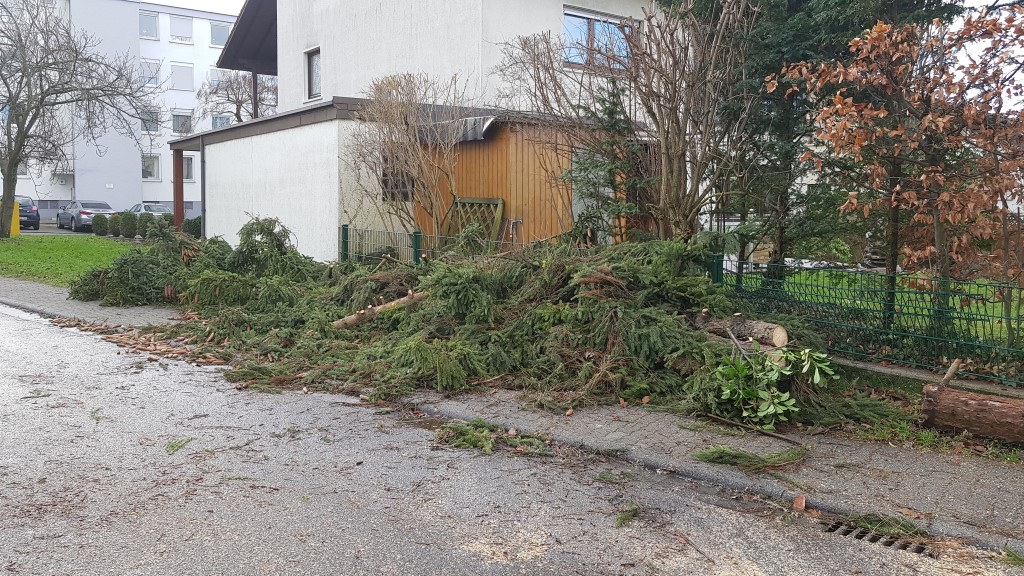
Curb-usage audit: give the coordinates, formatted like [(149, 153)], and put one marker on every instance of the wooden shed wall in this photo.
[(519, 165)]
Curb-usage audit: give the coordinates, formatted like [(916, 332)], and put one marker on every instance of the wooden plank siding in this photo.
[(519, 164)]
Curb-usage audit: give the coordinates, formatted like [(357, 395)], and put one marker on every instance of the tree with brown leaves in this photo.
[(926, 121)]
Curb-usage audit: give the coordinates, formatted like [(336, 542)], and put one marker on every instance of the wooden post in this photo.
[(179, 188), (255, 95)]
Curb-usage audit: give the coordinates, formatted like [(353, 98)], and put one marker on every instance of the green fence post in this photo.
[(716, 266), (344, 241), (417, 245)]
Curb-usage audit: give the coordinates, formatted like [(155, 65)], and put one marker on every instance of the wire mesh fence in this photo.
[(909, 319)]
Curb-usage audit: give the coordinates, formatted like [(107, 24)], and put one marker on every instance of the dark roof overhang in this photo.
[(252, 46)]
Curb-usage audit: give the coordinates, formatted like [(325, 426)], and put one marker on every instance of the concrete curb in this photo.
[(27, 308), (733, 480)]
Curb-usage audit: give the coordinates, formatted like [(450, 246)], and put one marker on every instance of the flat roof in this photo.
[(337, 108)]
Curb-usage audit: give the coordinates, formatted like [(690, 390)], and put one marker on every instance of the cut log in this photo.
[(743, 328), (374, 311), (980, 414)]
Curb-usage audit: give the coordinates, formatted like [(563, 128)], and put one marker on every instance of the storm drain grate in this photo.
[(889, 541)]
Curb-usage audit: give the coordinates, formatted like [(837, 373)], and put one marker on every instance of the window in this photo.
[(219, 33), (151, 167), (594, 40), (181, 77), (397, 186), (313, 74), (181, 29), (22, 169), (221, 121), (181, 122), (151, 121), (188, 167), (150, 73), (218, 78), (49, 204), (149, 25)]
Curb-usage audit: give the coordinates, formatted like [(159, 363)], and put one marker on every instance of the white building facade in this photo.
[(177, 50), (325, 54)]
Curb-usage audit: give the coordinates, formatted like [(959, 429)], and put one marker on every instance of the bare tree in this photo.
[(681, 68), (57, 88), (229, 92), (404, 149)]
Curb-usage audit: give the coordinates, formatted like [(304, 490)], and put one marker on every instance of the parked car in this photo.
[(28, 212), (152, 208), (78, 214)]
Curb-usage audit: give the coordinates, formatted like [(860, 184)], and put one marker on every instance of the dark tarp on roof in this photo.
[(252, 46)]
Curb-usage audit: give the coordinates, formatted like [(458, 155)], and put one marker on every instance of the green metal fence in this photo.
[(913, 320), (411, 247)]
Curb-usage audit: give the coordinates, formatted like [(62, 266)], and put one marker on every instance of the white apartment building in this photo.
[(177, 50)]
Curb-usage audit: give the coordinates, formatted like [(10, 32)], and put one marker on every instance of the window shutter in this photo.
[(181, 77), (181, 29)]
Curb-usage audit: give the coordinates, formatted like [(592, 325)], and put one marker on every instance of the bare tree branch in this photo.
[(57, 88)]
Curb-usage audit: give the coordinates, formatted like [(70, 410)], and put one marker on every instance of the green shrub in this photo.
[(100, 225), (145, 221), (129, 225), (133, 279), (114, 224), (193, 226)]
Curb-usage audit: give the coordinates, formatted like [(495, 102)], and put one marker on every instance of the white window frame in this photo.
[(156, 16), (227, 117), (307, 65), (592, 18), (216, 77), (156, 77), (192, 76), (22, 170), (182, 39), (191, 121), (188, 161), (212, 26), (159, 169), (159, 122)]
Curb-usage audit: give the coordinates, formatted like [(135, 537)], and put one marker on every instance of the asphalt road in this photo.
[(112, 464), (47, 228)]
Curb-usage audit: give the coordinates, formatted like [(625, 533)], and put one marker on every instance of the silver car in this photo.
[(78, 214), (151, 207)]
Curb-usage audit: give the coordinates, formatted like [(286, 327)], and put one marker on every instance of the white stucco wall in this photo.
[(360, 196), (291, 175), (361, 40)]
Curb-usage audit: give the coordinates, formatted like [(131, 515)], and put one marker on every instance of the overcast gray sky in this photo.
[(219, 6)]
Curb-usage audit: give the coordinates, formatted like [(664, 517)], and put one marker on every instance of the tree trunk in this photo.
[(980, 414), (892, 245), (763, 332), (364, 316), (7, 213)]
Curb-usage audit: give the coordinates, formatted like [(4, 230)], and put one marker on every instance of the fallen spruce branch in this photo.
[(753, 428), (373, 311)]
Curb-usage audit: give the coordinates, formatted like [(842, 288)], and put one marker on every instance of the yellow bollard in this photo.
[(15, 222)]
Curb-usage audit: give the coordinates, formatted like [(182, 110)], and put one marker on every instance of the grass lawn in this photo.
[(57, 260)]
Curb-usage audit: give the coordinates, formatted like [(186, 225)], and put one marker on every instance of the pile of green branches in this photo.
[(573, 327), (172, 267)]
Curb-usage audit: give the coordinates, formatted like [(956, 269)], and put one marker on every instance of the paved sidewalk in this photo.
[(53, 302), (968, 497)]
